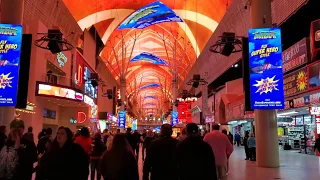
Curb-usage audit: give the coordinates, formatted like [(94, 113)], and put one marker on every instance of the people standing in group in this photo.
[(84, 140), (252, 147), (3, 136), (237, 139), (17, 155), (195, 157), (146, 143), (183, 135), (119, 163), (67, 160), (245, 144), (98, 148), (29, 134), (221, 147), (161, 159)]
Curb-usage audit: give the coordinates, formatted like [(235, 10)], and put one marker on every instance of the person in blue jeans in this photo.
[(252, 147)]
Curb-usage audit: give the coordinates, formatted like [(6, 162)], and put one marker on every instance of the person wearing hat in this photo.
[(18, 154), (195, 158)]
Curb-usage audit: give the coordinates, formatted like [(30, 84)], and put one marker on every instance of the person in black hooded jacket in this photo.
[(67, 160), (97, 151), (195, 157)]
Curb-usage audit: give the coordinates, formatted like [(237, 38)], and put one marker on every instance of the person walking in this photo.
[(136, 144), (146, 143), (237, 138), (43, 141), (119, 163), (245, 143), (161, 160), (67, 160), (195, 157), (252, 147), (84, 140), (183, 135), (29, 134), (98, 149), (221, 147)]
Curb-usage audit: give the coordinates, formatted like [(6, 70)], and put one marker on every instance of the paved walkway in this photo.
[(294, 166)]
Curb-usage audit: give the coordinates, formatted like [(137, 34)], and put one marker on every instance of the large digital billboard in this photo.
[(265, 63), (151, 14), (174, 118), (56, 91), (152, 85), (150, 58), (10, 47), (122, 119)]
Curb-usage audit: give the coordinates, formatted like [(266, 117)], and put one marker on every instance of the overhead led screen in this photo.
[(147, 57), (151, 14), (152, 85)]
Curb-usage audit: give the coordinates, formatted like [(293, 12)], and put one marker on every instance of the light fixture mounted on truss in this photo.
[(53, 41), (227, 44), (196, 81)]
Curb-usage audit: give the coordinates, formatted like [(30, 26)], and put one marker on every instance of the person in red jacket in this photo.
[(84, 140)]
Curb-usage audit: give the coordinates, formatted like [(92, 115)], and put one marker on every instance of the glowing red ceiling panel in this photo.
[(177, 44)]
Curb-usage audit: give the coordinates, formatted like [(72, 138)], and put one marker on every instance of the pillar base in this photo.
[(7, 114), (267, 146)]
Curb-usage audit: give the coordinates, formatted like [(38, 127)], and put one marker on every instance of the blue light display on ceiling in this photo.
[(150, 97), (147, 57), (151, 14), (152, 85), (150, 104)]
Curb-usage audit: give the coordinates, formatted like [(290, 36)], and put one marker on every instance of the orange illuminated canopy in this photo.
[(182, 30)]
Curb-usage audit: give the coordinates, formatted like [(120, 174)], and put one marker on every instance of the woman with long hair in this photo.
[(98, 149), (67, 160), (119, 162)]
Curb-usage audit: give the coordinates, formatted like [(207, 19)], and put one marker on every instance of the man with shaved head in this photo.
[(161, 159)]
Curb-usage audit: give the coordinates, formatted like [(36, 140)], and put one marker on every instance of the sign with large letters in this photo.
[(265, 63), (10, 47), (296, 55)]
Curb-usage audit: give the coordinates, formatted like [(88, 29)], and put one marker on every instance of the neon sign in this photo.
[(62, 59), (81, 117)]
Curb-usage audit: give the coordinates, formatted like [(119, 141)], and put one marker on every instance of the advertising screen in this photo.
[(150, 58), (88, 87), (174, 118), (50, 90), (152, 85), (122, 119), (295, 82), (314, 75), (151, 14), (265, 63), (134, 125), (10, 47)]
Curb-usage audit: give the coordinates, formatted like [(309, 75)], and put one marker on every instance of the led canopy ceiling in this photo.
[(148, 57), (151, 14), (149, 42)]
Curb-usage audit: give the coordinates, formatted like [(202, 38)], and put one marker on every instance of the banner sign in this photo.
[(265, 63), (315, 98), (150, 58), (314, 75), (151, 14), (122, 119), (56, 91), (295, 82), (296, 55), (10, 47), (174, 118)]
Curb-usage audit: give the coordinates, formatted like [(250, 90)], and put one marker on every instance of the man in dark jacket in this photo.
[(161, 159), (195, 157), (137, 138)]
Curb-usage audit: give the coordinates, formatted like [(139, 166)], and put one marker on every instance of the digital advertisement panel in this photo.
[(151, 14), (150, 58), (265, 63), (295, 82), (10, 47), (174, 118), (122, 119), (55, 91)]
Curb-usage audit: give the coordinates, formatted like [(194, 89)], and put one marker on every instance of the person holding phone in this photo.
[(18, 154)]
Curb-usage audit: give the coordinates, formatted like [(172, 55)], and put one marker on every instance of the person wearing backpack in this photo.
[(98, 148), (18, 154)]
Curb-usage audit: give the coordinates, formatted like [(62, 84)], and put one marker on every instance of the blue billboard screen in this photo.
[(266, 75), (10, 47), (152, 85), (151, 14), (122, 119), (174, 118), (150, 58)]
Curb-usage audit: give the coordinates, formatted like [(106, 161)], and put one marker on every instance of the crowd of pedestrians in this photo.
[(69, 155)]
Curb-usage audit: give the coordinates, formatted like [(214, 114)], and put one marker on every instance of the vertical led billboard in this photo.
[(10, 47), (122, 119), (266, 75), (174, 118)]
